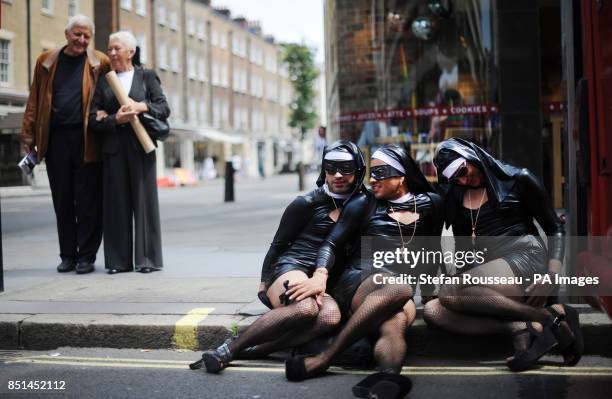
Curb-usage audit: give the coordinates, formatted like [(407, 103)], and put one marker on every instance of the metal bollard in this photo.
[(301, 172), (229, 182), (1, 259)]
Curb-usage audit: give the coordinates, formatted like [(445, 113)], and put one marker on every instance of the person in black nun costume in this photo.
[(492, 205), (404, 207), (291, 259)]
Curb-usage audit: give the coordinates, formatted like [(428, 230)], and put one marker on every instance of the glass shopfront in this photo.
[(433, 74), (422, 71)]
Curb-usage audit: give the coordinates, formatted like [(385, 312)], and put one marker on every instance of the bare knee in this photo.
[(307, 308)]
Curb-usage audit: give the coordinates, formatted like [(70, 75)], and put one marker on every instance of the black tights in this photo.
[(481, 309), (272, 335), (375, 307)]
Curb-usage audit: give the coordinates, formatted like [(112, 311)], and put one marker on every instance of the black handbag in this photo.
[(158, 129)]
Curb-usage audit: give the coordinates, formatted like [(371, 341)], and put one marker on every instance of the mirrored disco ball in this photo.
[(422, 28)]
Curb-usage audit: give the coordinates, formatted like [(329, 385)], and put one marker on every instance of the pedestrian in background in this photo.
[(130, 181), (55, 125)]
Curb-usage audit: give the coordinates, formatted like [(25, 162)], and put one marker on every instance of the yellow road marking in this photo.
[(260, 367), (186, 329)]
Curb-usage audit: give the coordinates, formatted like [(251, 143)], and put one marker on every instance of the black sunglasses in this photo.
[(344, 167), (384, 172)]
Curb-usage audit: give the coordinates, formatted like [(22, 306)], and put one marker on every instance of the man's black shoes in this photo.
[(67, 265), (84, 267)]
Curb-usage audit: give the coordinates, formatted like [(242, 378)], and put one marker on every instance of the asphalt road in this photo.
[(104, 373)]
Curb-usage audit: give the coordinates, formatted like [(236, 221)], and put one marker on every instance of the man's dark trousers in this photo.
[(76, 188)]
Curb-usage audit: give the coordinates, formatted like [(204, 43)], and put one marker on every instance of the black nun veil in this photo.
[(351, 148), (417, 182), (499, 176)]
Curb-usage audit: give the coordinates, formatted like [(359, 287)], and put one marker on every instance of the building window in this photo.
[(142, 43), (191, 66), (202, 69), (225, 112), (73, 8), (173, 20), (201, 30), (161, 14), (141, 7), (176, 106), (162, 56), (223, 40), (174, 60), (271, 63), (203, 115), (190, 26), (5, 61), (217, 112), (215, 74), (193, 110), (224, 76), (214, 37), (126, 4), (47, 7)]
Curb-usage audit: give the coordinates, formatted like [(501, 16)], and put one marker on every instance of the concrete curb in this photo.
[(24, 191), (45, 331)]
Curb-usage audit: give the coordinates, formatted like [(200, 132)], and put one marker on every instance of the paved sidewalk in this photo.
[(213, 253)]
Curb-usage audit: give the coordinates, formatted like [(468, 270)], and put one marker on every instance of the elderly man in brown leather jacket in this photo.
[(55, 125)]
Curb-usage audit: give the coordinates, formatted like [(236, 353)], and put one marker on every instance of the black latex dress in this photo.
[(505, 223), (367, 217), (301, 231), (306, 222)]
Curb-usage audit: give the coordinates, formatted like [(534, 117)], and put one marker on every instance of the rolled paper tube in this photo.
[(122, 97)]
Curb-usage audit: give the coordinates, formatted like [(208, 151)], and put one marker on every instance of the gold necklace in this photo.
[(334, 201), (475, 222), (400, 227)]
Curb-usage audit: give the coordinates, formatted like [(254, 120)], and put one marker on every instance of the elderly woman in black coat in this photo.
[(130, 200)]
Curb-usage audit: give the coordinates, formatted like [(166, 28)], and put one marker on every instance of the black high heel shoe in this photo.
[(570, 346), (541, 343), (217, 359), (295, 370)]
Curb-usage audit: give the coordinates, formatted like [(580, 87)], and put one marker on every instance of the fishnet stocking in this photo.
[(439, 316), (485, 301), (374, 304), (326, 321), (390, 349), (274, 323)]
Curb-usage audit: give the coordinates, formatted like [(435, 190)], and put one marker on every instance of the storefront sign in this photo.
[(404, 113)]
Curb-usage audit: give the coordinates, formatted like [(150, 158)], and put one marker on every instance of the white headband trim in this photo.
[(334, 195), (338, 156), (452, 168), (378, 154)]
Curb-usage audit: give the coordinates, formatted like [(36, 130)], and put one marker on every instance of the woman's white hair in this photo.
[(125, 37), (82, 21)]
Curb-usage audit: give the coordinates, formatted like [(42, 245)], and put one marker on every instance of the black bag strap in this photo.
[(144, 85)]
